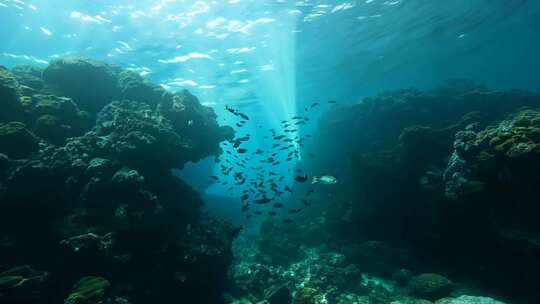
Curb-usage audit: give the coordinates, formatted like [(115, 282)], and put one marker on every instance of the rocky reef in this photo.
[(449, 175), (87, 196)]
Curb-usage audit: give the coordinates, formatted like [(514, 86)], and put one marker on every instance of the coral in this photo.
[(10, 94), (16, 141), (80, 79), (134, 87), (88, 290), (430, 286), (101, 192), (29, 76)]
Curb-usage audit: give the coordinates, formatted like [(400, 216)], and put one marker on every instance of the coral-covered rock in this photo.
[(134, 87), (430, 286), (29, 76), (80, 79), (103, 196), (10, 94), (197, 122), (16, 141), (56, 118)]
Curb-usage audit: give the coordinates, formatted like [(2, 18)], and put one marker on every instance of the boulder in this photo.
[(430, 286)]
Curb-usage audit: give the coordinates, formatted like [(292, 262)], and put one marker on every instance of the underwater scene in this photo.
[(270, 152)]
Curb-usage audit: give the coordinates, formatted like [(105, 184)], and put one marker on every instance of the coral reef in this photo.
[(86, 179), (437, 173)]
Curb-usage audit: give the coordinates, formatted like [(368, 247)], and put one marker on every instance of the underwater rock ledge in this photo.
[(87, 194)]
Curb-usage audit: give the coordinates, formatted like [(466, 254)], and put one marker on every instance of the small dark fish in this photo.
[(313, 105), (259, 151), (305, 202), (293, 211), (257, 212), (275, 146), (238, 124), (224, 183), (233, 111), (244, 116), (281, 178), (245, 207), (278, 205), (214, 177), (288, 159), (288, 189), (276, 163), (242, 150), (301, 179), (310, 154), (284, 148), (332, 101), (272, 213), (279, 137), (262, 201), (309, 192)]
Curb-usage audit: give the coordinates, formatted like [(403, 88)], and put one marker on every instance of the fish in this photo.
[(214, 177), (309, 192), (313, 105), (262, 201), (275, 146), (257, 212), (332, 101), (305, 202), (293, 211), (272, 213), (325, 179), (276, 163), (288, 189), (238, 124), (278, 205), (279, 137), (259, 151), (245, 207), (242, 150), (301, 179), (244, 116)]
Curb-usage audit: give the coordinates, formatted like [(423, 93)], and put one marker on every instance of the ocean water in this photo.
[(257, 151)]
